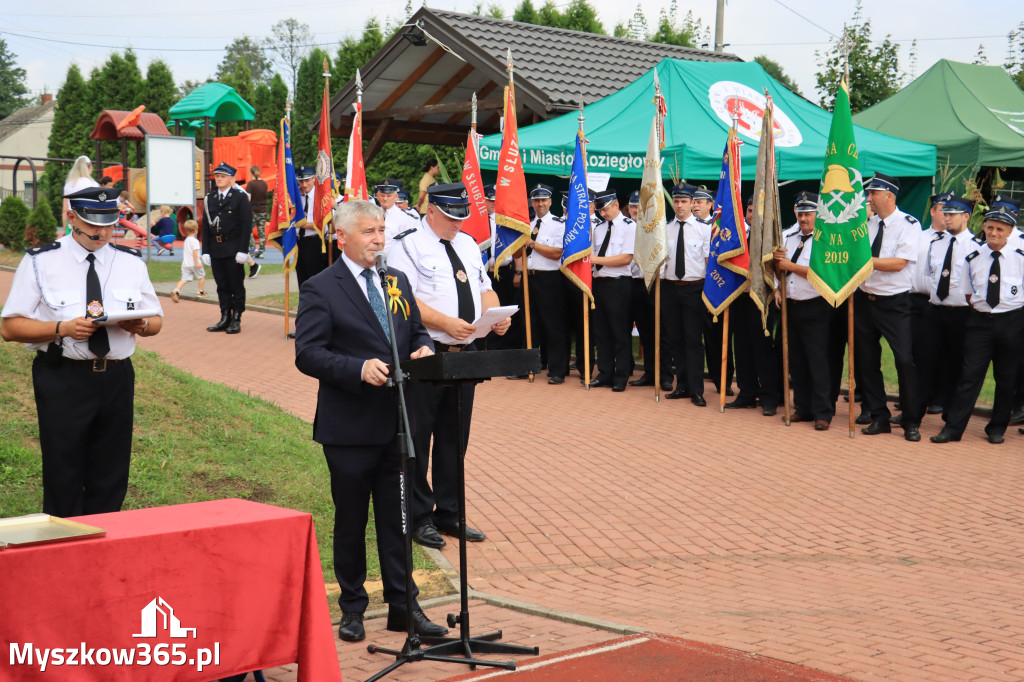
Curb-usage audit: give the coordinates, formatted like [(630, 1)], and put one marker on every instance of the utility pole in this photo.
[(720, 26)]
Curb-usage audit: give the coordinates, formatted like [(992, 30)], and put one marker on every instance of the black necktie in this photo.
[(876, 246), (800, 249), (604, 244), (99, 343), (462, 288), (533, 236), (305, 204), (680, 252), (943, 289), (992, 295)]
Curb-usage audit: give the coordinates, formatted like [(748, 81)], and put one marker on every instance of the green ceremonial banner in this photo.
[(841, 257)]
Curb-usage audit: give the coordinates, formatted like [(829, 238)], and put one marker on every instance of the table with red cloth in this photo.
[(237, 578)]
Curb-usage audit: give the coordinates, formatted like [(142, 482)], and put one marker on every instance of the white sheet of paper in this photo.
[(114, 318), (490, 318)]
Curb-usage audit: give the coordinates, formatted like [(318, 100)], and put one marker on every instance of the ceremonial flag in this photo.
[(766, 221), (511, 208), (650, 249), (287, 214), (841, 257), (478, 224), (355, 171), (729, 261), (323, 210), (576, 244)]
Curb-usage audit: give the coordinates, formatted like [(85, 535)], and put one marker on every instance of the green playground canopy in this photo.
[(216, 101), (701, 99), (973, 114)]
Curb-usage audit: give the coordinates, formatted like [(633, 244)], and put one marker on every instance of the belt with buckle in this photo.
[(685, 283), (448, 348), (96, 364), (219, 239)]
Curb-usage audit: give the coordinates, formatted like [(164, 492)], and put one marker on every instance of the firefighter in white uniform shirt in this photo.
[(613, 244), (396, 221)]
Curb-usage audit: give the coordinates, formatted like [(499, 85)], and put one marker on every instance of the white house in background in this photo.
[(25, 133)]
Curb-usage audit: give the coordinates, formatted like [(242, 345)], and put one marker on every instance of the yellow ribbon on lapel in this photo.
[(395, 300)]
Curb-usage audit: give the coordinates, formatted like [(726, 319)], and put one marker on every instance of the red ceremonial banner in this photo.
[(511, 206), (323, 210), (478, 224), (355, 181)]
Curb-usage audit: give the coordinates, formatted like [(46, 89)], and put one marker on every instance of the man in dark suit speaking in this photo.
[(342, 339)]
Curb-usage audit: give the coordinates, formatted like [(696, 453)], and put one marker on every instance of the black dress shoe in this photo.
[(912, 434), (945, 436), (518, 376), (1017, 416), (666, 386), (351, 628), (428, 536), (600, 383), (619, 388), (729, 392), (472, 534), (398, 622), (821, 425), (876, 428), (698, 400), (677, 394), (937, 409), (225, 321), (556, 380), (291, 335), (896, 419), (996, 438), (768, 410), (645, 380), (863, 418), (741, 403)]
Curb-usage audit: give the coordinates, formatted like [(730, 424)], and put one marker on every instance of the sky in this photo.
[(191, 35)]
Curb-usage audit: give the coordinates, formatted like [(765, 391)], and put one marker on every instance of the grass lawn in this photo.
[(276, 300), (193, 441)]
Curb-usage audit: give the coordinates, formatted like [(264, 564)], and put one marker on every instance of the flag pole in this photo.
[(586, 311), (327, 89), (787, 400), (725, 356), (852, 384), (522, 251), (287, 276), (657, 282)]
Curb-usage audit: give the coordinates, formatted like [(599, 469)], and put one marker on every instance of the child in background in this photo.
[(191, 265), (163, 232)]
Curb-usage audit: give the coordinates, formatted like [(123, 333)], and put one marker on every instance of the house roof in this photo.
[(22, 117), (417, 91)]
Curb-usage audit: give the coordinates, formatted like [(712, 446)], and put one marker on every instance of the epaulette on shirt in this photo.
[(1020, 251), (127, 249), (36, 250), (978, 238), (627, 220), (559, 219), (406, 233), (912, 220), (972, 255)]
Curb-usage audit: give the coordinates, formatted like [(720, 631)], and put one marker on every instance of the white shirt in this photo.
[(1011, 278), (59, 293), (397, 221), (308, 205), (424, 260), (900, 240), (190, 248), (919, 283), (797, 287), (790, 231), (622, 241), (357, 271), (936, 257), (551, 233), (697, 247)]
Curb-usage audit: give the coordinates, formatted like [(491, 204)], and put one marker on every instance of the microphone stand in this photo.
[(411, 650)]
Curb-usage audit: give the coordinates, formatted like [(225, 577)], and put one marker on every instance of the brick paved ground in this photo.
[(871, 558)]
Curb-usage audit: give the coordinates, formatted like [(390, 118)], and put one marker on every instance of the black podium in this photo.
[(453, 369)]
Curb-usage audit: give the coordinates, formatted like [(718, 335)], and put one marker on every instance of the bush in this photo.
[(41, 218), (13, 217)]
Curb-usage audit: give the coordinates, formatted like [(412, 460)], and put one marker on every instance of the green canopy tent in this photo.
[(701, 97), (972, 113)]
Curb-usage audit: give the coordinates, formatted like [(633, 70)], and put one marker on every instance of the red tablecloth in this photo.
[(245, 576)]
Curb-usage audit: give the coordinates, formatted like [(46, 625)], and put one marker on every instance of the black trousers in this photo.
[(230, 278), (85, 434), (310, 259), (920, 331), (838, 340), (641, 313), (357, 473), (713, 351), (888, 317), (808, 327), (508, 294), (989, 338), (437, 421), (550, 325), (757, 369), (944, 329), (613, 328), (682, 315)]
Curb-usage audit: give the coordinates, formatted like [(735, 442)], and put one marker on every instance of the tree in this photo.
[(874, 71), (981, 57), (308, 98), (42, 223), (775, 71), (525, 13), (12, 82), (581, 16), (13, 216), (353, 54), (69, 136), (638, 24), (187, 87), (240, 78), (1014, 63), (290, 44), (160, 91), (548, 15), (245, 51), (117, 85), (492, 10), (270, 101), (691, 32)]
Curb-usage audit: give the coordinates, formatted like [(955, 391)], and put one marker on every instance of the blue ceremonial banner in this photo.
[(576, 245), (287, 213), (728, 273)]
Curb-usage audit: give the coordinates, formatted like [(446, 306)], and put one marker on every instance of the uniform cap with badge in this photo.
[(451, 199), (806, 202), (489, 192), (1002, 215), (939, 198), (305, 173), (605, 198), (224, 169), (388, 186), (883, 182), (702, 192), (634, 198), (95, 205), (541, 191), (955, 204), (683, 190), (1012, 205)]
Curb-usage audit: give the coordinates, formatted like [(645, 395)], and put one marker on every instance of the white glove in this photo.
[(241, 258), (205, 259)]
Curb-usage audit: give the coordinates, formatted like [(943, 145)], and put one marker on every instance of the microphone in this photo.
[(94, 237), (381, 263)]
